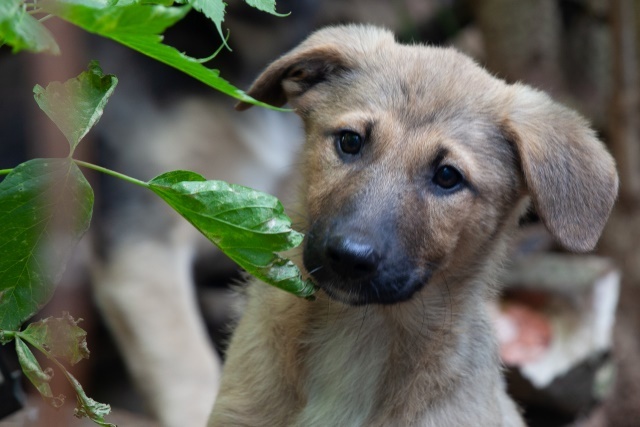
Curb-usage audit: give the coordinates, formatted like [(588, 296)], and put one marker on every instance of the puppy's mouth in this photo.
[(354, 271), (373, 291)]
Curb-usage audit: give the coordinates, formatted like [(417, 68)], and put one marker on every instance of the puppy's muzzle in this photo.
[(356, 266)]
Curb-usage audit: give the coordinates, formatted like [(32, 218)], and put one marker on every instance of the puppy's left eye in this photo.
[(447, 177), (350, 142)]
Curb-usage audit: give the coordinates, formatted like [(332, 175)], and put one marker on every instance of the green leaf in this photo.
[(60, 336), (45, 208), (139, 26), (214, 10), (247, 225), (77, 104), (33, 371), (21, 31), (268, 6)]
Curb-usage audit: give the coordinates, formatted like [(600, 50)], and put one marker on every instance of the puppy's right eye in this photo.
[(350, 142)]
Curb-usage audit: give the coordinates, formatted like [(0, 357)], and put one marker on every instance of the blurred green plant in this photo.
[(46, 204)]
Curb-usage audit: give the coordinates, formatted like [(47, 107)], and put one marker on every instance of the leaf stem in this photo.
[(209, 58), (5, 171), (112, 173), (7, 336)]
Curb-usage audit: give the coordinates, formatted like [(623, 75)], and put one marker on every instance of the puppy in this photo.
[(418, 165)]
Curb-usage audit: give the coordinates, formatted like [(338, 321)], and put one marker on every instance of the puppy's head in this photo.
[(418, 163)]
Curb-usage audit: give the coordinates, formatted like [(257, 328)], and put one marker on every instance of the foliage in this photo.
[(57, 338), (45, 208), (247, 225), (138, 24), (46, 204), (77, 105)]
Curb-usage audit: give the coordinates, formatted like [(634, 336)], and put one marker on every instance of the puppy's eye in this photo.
[(447, 177), (349, 142)]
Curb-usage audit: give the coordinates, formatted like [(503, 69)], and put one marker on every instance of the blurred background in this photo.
[(155, 296)]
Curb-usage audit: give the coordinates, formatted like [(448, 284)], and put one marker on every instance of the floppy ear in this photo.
[(570, 176), (324, 54), (289, 77)]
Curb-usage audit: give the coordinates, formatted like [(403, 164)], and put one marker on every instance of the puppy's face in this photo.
[(402, 186), (416, 160)]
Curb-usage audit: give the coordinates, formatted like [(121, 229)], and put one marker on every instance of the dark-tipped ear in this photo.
[(570, 176), (289, 77)]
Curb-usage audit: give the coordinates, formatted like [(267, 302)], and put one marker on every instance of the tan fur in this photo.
[(430, 358)]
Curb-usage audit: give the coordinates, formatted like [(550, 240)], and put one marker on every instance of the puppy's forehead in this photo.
[(429, 82), (417, 81)]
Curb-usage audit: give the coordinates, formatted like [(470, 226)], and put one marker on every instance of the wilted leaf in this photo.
[(86, 406), (139, 26), (247, 225), (45, 208), (39, 378), (77, 104), (60, 336), (21, 31)]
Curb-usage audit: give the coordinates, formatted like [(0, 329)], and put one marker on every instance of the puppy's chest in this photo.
[(347, 365)]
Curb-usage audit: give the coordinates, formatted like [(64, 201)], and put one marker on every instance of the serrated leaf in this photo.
[(45, 208), (33, 371), (139, 26), (21, 31), (268, 6), (212, 9), (77, 104), (60, 336), (247, 225)]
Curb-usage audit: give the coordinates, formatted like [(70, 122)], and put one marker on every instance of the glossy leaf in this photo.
[(45, 208), (77, 104), (21, 31), (247, 225)]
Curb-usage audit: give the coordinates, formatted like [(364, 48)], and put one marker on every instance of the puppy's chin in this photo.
[(374, 291)]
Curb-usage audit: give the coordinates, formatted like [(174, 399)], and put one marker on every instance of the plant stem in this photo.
[(6, 336), (112, 173), (5, 171)]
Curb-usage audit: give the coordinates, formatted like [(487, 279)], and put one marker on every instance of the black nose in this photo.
[(351, 258)]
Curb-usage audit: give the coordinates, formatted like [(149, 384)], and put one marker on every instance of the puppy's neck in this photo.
[(400, 357), (439, 319)]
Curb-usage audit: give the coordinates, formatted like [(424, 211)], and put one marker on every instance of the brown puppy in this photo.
[(418, 165)]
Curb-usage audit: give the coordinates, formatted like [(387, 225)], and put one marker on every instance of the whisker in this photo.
[(366, 310), (448, 311), (424, 316), (315, 270)]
